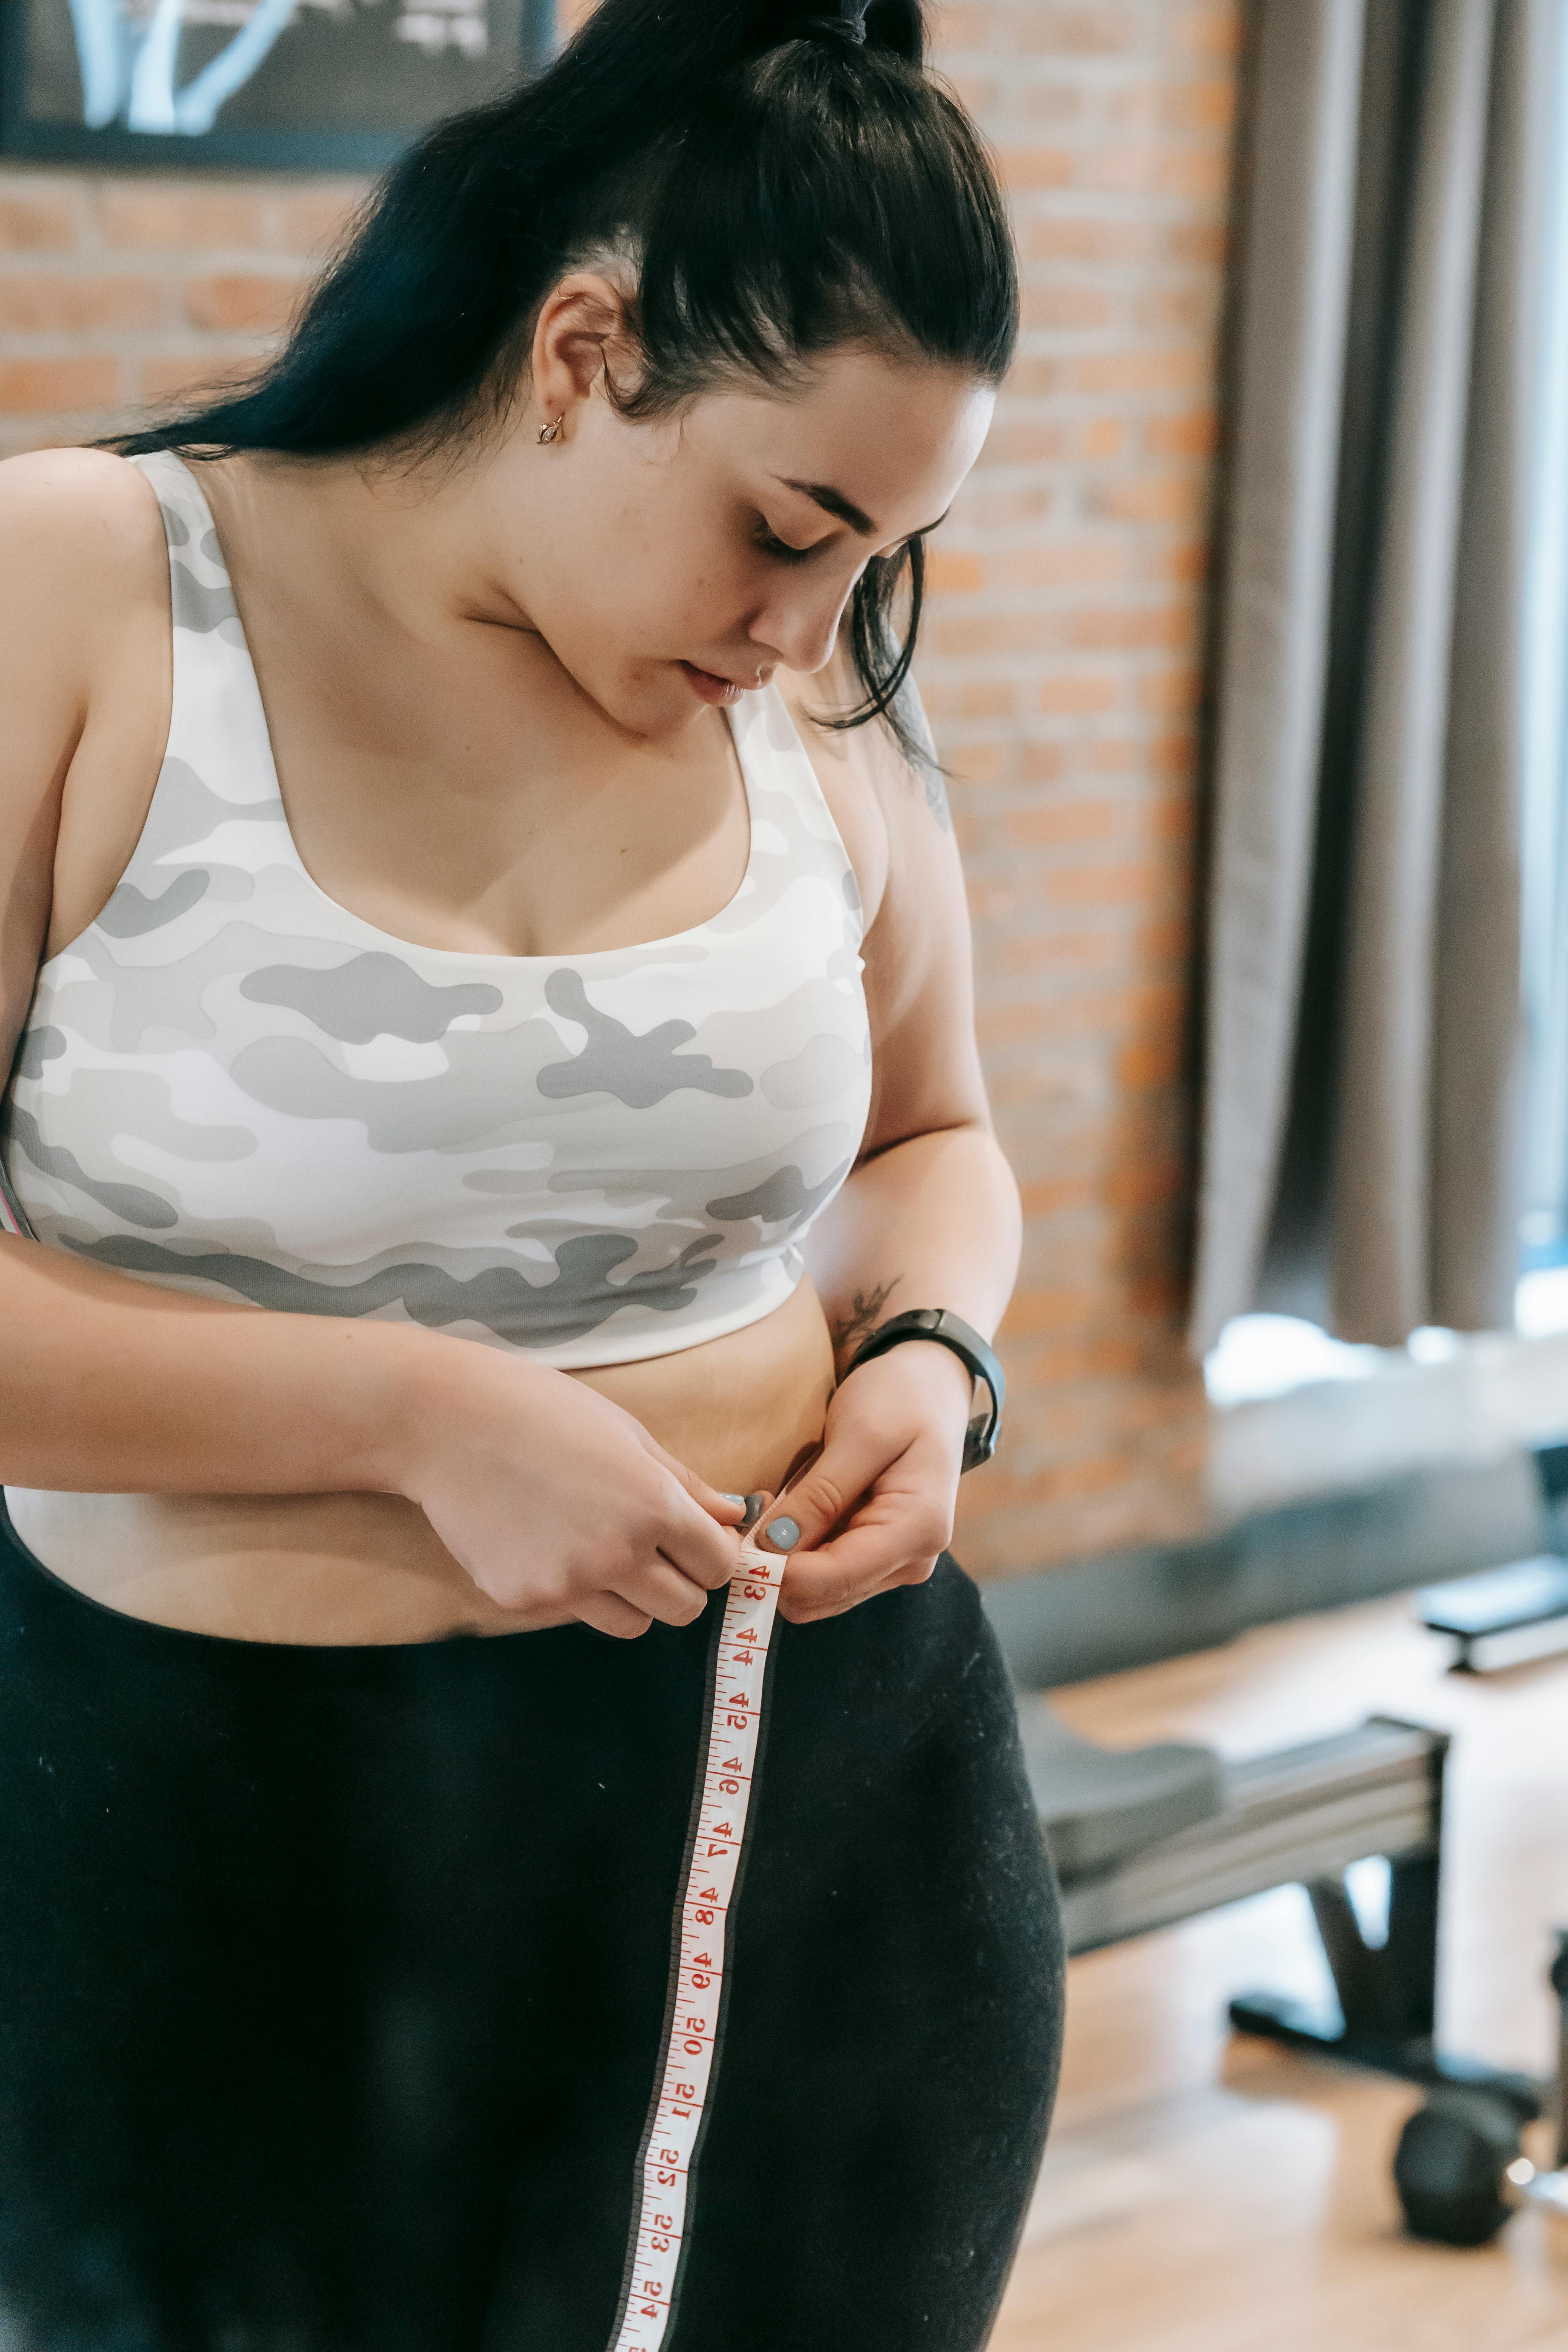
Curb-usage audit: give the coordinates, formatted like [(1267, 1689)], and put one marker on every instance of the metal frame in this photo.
[(1303, 1815)]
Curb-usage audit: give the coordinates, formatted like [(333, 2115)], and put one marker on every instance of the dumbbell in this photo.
[(1459, 2169)]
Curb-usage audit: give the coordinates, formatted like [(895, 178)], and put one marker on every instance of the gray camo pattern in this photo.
[(234, 1086)]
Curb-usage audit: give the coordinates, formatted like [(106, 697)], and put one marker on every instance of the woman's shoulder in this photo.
[(854, 767), (81, 544), (879, 797), (84, 625), (66, 502)]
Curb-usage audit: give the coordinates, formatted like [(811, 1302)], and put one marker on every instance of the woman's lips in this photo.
[(709, 686)]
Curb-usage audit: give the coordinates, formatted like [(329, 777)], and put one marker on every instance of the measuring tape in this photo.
[(691, 2039)]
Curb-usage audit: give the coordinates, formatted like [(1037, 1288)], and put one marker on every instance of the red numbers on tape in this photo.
[(685, 2060)]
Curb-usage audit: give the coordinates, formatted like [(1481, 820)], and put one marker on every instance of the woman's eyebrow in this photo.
[(843, 510)]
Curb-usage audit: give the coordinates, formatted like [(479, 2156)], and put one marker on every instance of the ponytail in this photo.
[(780, 182)]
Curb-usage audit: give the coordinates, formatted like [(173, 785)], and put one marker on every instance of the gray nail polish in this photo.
[(754, 1512), (739, 1500), (782, 1533)]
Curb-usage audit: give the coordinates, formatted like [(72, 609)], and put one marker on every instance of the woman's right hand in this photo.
[(556, 1502)]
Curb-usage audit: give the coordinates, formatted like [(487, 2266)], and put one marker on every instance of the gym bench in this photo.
[(1147, 1836)]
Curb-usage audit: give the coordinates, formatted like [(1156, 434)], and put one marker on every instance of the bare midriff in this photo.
[(355, 1567)]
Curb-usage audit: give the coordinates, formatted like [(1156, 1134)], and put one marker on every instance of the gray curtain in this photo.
[(1361, 1020)]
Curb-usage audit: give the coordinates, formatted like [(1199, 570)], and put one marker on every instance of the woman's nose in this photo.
[(801, 629)]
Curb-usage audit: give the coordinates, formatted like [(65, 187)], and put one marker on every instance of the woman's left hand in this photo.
[(875, 1509)]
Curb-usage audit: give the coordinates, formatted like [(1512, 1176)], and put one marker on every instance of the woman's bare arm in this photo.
[(112, 1385), (929, 1217)]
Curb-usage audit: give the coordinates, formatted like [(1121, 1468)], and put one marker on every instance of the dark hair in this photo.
[(780, 186)]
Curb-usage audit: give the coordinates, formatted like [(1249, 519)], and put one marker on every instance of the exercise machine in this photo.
[(1503, 1615), (1147, 1836)]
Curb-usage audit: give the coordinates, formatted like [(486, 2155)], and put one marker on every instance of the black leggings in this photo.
[(305, 2047)]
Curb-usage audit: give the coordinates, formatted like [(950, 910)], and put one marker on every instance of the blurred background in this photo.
[(1246, 656)]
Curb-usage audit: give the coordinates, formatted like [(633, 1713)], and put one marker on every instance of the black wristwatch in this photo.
[(949, 1331)]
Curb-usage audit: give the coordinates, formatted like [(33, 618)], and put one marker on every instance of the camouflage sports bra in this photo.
[(230, 1084)]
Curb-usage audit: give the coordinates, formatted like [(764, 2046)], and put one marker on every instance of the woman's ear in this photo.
[(580, 329)]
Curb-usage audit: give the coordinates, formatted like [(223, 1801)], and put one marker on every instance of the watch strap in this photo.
[(951, 1331)]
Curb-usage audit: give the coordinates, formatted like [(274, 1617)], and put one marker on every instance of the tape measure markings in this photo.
[(686, 2059)]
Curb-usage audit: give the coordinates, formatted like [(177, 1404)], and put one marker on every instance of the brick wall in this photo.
[(116, 292), (1060, 668), (1062, 676)]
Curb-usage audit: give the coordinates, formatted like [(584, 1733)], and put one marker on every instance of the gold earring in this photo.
[(551, 432)]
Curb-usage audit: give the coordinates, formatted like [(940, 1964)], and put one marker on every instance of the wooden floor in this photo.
[(1204, 2194)]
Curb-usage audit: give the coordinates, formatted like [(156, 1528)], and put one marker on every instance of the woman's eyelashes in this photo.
[(779, 551)]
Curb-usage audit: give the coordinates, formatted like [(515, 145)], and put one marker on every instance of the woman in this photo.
[(483, 1068)]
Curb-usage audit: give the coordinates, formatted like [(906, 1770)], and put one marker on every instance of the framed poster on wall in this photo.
[(317, 85)]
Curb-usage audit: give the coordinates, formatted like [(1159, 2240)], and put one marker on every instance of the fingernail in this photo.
[(754, 1510), (782, 1533), (739, 1500)]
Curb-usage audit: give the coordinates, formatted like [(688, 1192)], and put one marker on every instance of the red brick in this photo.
[(1051, 1310), (1164, 367), (1202, 244), (951, 572), (1209, 28), (1138, 1187), (1047, 1194), (1053, 824), (1150, 1064), (1101, 31), (1129, 626), (1176, 686), (1156, 167), (1101, 244), (977, 763), (35, 217), (1040, 763), (1129, 882), (963, 27), (48, 302), (179, 375), (994, 697), (1175, 309), (1173, 495), (1065, 309), (1209, 104), (1056, 1365), (317, 220), (57, 387), (1054, 101), (1038, 951), (243, 299), (1038, 167), (179, 215), (956, 633), (1169, 817), (1084, 561), (1190, 433), (1077, 691)]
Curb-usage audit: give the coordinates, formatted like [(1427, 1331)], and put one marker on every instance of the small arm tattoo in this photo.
[(857, 1324)]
